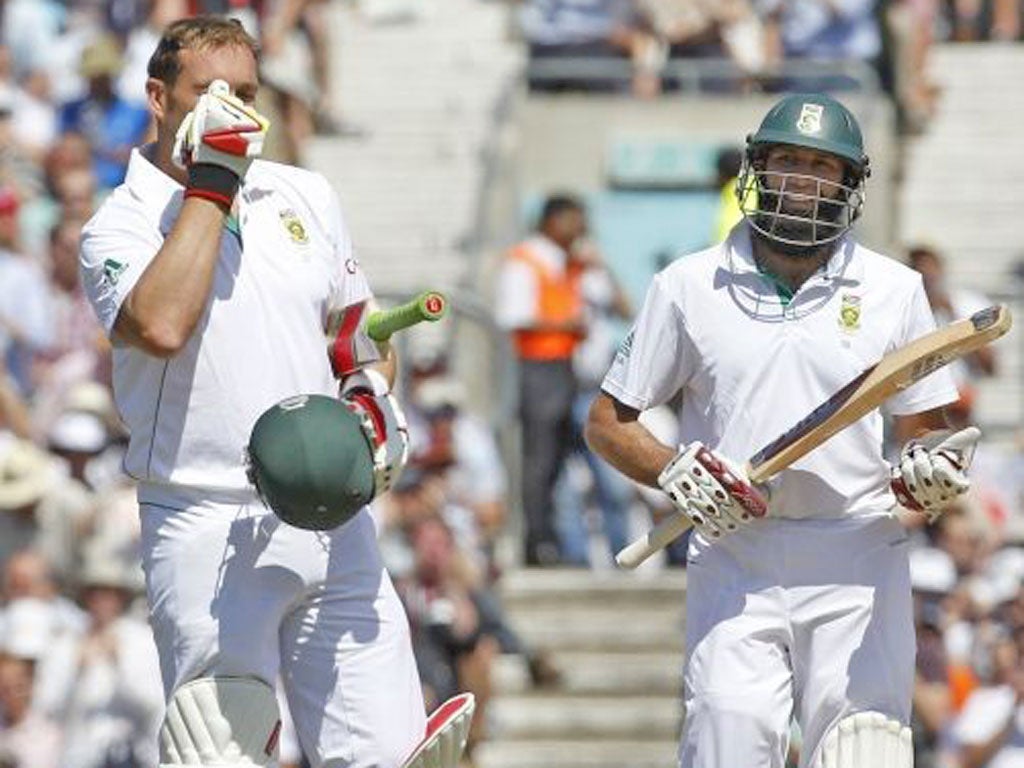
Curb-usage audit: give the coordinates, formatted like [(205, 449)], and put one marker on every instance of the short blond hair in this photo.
[(196, 33)]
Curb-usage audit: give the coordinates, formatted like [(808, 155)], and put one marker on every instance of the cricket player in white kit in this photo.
[(216, 276), (805, 612)]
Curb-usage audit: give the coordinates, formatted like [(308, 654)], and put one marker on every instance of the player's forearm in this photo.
[(615, 434), (162, 310)]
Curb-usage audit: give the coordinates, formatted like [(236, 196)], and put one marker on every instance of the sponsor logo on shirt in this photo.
[(294, 226), (112, 270), (849, 313), (625, 348)]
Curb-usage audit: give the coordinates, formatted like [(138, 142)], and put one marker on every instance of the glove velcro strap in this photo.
[(212, 182), (750, 500)]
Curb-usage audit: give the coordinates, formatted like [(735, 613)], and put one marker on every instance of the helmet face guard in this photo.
[(796, 210), (800, 214)]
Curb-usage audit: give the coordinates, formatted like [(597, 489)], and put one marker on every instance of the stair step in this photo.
[(592, 673), (577, 754), (539, 717)]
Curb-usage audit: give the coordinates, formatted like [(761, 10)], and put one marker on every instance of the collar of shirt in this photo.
[(842, 267), (163, 196)]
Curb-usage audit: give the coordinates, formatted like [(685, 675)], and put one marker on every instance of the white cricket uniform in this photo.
[(232, 590), (806, 612)]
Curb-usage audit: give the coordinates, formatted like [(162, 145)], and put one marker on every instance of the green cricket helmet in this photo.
[(768, 199), (311, 462)]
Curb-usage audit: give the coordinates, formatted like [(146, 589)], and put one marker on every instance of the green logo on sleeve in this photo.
[(113, 270)]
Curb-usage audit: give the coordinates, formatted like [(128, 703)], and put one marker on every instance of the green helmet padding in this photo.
[(310, 461), (816, 121)]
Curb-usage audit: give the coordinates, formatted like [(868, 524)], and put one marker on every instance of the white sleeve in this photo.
[(349, 284), (935, 390), (116, 248), (657, 357), (515, 298)]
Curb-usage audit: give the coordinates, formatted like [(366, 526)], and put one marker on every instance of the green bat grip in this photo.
[(429, 306)]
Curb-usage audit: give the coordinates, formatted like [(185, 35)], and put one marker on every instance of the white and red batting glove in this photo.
[(216, 143), (711, 491), (366, 394), (350, 349), (932, 470)]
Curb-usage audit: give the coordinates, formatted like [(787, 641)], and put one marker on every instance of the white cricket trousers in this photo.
[(804, 618), (234, 591)]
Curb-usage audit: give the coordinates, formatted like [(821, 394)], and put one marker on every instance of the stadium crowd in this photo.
[(79, 680)]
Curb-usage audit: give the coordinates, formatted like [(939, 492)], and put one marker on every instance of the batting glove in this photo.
[(931, 470), (711, 491), (216, 143), (384, 424)]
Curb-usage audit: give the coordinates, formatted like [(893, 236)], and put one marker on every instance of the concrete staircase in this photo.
[(409, 187), (963, 191), (617, 639)]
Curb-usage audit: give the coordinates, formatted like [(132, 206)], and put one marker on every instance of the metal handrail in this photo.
[(689, 73)]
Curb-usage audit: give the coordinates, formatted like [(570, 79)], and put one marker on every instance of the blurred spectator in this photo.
[(446, 437), (28, 737), (26, 321), (296, 67), (115, 699), (990, 729), (78, 348), (910, 25), (18, 166), (34, 118), (591, 29), (975, 20), (112, 124), (605, 304), (14, 412), (932, 577), (727, 166), (27, 574), (454, 646), (40, 506), (951, 302), (823, 30), (717, 28), (539, 300)]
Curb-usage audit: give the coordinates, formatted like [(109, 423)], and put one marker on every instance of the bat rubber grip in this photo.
[(659, 537), (429, 306)]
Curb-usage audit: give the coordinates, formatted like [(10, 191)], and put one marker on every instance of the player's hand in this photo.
[(711, 491), (217, 141), (366, 394), (932, 470)]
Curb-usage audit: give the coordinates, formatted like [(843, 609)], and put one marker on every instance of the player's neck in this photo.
[(159, 154), (791, 271)]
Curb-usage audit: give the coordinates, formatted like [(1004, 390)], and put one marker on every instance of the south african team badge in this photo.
[(849, 313), (293, 224)]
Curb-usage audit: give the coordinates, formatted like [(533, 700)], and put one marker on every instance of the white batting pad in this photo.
[(223, 721), (447, 730), (868, 740)]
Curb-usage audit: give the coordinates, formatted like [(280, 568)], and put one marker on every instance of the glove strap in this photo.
[(212, 182)]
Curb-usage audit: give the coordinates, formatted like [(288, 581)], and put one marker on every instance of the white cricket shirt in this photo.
[(751, 366), (261, 337)]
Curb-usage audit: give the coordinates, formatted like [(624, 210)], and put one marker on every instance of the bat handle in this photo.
[(659, 537), (429, 306)]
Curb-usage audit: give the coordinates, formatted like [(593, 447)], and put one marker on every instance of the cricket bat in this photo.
[(893, 373)]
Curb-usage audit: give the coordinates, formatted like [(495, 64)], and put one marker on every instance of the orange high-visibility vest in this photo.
[(558, 299)]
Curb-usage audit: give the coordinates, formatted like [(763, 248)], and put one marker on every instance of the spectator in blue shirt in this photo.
[(111, 124)]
